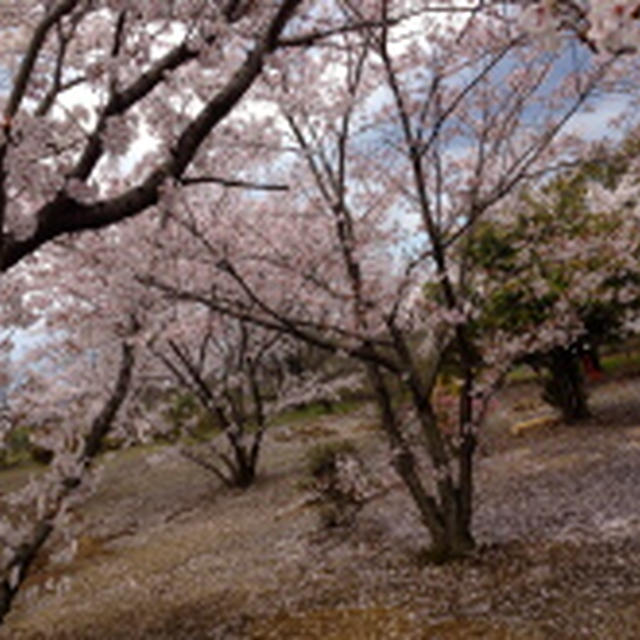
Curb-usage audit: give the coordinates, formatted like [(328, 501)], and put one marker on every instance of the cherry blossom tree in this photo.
[(90, 79), (604, 26), (31, 514), (104, 106), (79, 387), (229, 369), (560, 278), (394, 166), (116, 107), (242, 376)]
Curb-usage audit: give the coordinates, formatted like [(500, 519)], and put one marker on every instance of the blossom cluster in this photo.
[(610, 26)]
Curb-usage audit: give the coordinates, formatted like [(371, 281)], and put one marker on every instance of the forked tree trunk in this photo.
[(446, 515), (246, 459), (236, 468), (243, 470)]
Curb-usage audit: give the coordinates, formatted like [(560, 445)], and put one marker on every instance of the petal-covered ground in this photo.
[(164, 553)]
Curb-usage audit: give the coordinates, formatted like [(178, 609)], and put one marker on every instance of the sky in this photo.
[(595, 125), (591, 126)]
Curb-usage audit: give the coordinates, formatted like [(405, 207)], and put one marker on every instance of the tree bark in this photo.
[(16, 570), (565, 387), (446, 518), (62, 214)]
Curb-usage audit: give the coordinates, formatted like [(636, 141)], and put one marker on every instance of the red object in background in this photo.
[(592, 372)]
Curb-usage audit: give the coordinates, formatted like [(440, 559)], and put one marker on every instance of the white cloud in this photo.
[(598, 123)]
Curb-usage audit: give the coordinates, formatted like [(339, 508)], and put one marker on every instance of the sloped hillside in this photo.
[(165, 553)]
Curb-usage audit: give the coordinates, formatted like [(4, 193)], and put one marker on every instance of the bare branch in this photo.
[(233, 183)]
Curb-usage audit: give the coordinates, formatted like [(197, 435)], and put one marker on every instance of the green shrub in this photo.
[(17, 448), (321, 458), (184, 409)]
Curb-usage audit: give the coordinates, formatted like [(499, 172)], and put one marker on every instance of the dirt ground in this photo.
[(165, 553)]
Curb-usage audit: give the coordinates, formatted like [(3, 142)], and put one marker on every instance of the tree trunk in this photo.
[(447, 517), (16, 570), (466, 484), (245, 471), (565, 387), (455, 542)]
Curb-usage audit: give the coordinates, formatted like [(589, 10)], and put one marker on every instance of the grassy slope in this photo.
[(165, 553)]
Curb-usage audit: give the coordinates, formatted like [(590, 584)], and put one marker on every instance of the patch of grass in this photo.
[(521, 374), (321, 457), (317, 410), (618, 363), (18, 448), (624, 363), (184, 408), (19, 451)]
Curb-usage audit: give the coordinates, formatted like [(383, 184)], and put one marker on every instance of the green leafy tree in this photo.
[(561, 278)]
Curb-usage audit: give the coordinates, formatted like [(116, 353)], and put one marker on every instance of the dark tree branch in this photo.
[(283, 325), (40, 34), (233, 183), (208, 466), (18, 92), (65, 215), (18, 566)]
